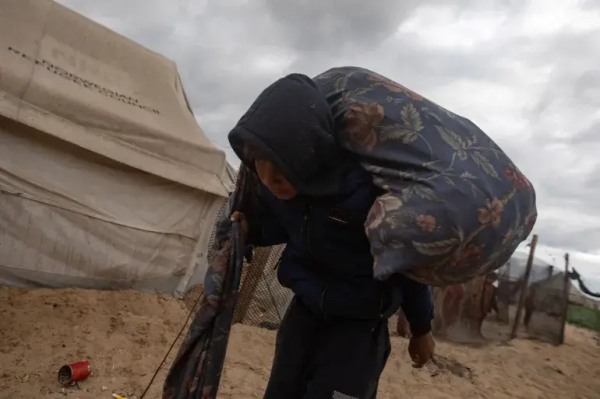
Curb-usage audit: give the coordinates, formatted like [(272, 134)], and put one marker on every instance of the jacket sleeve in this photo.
[(306, 284), (417, 305), (360, 298), (355, 298)]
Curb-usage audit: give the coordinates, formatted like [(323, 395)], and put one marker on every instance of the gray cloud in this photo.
[(589, 135), (337, 26), (536, 92), (583, 239), (591, 4)]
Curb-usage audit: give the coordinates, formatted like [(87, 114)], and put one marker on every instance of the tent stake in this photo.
[(566, 301), (525, 283)]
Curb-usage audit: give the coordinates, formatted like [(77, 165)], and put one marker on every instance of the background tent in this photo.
[(540, 269), (106, 179)]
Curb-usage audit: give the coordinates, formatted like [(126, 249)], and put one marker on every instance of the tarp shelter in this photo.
[(106, 179), (540, 269)]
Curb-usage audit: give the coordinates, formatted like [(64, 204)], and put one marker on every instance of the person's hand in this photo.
[(236, 216), (239, 217), (421, 349)]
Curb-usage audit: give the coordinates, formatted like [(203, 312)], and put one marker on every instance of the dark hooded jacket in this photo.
[(327, 261)]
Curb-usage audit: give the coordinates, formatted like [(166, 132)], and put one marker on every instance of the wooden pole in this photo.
[(566, 301), (597, 324), (533, 244)]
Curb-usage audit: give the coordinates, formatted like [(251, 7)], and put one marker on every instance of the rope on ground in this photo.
[(173, 344)]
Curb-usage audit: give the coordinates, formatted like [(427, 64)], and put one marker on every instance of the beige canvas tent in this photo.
[(106, 179)]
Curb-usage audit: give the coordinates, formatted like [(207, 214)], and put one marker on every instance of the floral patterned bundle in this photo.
[(454, 205)]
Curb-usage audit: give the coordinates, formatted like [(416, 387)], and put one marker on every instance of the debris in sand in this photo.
[(441, 364)]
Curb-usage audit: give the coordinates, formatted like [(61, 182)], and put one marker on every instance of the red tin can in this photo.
[(71, 373)]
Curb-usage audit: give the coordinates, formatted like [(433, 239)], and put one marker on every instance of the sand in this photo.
[(125, 334)]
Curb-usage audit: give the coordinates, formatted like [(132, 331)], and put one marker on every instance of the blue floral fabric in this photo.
[(454, 205)]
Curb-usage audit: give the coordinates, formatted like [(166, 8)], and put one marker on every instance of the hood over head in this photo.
[(290, 124)]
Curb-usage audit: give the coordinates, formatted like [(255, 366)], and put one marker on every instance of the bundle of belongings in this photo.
[(450, 205)]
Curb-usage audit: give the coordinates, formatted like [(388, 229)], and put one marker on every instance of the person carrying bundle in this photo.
[(377, 194)]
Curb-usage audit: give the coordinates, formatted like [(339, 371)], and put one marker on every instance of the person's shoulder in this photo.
[(358, 180)]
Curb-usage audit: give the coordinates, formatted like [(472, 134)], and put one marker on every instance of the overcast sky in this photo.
[(526, 72)]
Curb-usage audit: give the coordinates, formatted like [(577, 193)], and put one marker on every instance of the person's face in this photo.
[(274, 180)]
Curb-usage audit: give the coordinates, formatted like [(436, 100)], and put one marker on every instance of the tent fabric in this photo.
[(73, 79), (106, 179), (515, 268), (72, 218), (229, 177), (37, 166), (45, 246)]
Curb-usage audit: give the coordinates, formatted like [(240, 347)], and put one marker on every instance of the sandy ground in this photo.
[(125, 335)]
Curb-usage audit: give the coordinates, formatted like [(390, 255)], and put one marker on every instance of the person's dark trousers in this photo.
[(336, 358)]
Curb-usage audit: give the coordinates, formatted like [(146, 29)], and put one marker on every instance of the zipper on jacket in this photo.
[(306, 228), (306, 232)]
